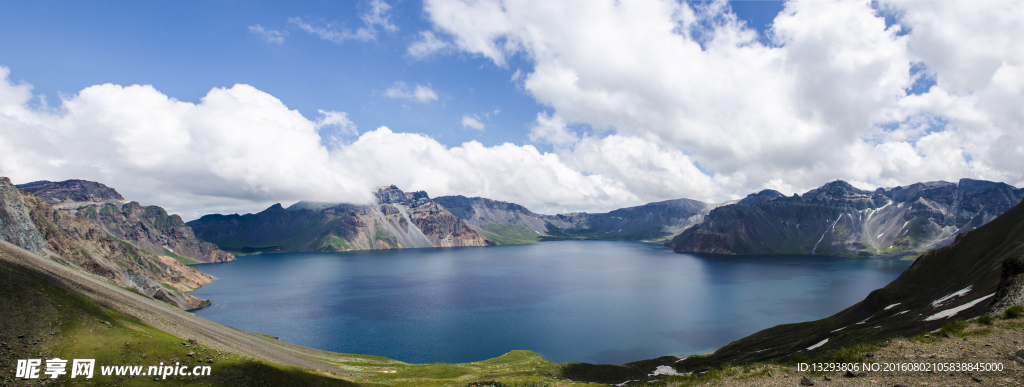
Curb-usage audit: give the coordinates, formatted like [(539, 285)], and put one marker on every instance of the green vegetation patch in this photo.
[(516, 368), (183, 260), (1013, 312), (507, 234), (383, 236), (853, 354)]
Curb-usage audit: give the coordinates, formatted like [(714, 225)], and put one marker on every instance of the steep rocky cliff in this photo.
[(149, 228), (839, 219), (398, 220), (16, 224), (29, 220), (513, 223), (982, 271), (649, 221), (501, 222)]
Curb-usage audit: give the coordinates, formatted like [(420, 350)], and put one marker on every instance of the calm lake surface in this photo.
[(593, 301)]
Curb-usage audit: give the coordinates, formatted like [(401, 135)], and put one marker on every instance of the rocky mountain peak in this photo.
[(70, 191), (836, 190), (391, 194), (971, 187), (763, 196)]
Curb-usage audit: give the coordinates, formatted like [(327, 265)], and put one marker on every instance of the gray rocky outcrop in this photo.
[(70, 191), (16, 224), (149, 228)]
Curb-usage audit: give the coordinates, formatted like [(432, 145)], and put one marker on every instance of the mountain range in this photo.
[(840, 220), (836, 219), (413, 220)]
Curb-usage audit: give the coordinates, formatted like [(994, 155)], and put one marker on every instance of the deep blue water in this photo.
[(592, 301)]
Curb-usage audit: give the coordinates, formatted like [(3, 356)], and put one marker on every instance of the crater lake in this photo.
[(606, 302)]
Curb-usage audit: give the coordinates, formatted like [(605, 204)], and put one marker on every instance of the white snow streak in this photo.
[(891, 306), (952, 312), (823, 234), (664, 370), (961, 293), (820, 343)]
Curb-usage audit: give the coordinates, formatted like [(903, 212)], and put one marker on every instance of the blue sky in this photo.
[(186, 48), (558, 105)]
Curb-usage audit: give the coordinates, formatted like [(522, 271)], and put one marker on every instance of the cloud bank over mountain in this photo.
[(825, 95), (646, 100)]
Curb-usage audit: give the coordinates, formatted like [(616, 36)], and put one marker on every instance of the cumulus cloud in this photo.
[(270, 36), (418, 93), (377, 16), (240, 149), (472, 121), (824, 98)]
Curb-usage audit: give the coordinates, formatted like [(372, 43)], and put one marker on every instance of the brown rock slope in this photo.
[(149, 228), (78, 243)]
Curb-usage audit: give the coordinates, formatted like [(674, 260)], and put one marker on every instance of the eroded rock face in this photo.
[(443, 228), (80, 243), (16, 225), (149, 228), (839, 219), (1011, 285), (514, 223), (391, 194)]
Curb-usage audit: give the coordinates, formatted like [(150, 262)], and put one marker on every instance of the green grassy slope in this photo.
[(44, 321)]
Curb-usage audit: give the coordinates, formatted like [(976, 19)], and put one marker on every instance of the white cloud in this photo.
[(341, 124), (427, 44), (336, 119), (552, 130), (271, 36), (418, 93), (825, 100), (240, 149), (472, 121), (331, 32), (377, 16)]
